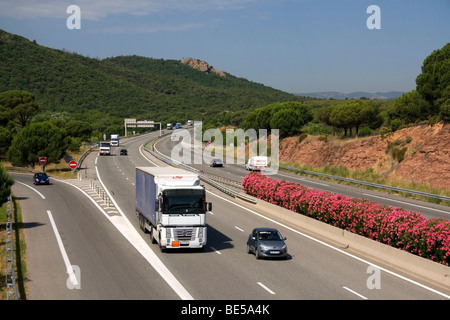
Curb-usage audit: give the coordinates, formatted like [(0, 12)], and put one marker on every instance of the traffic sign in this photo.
[(42, 160), (73, 164)]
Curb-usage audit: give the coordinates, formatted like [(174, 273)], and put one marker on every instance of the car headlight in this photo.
[(283, 247)]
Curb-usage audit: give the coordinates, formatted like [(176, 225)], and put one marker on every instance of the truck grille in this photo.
[(184, 234)]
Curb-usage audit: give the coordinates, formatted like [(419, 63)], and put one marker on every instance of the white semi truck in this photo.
[(114, 140), (171, 205)]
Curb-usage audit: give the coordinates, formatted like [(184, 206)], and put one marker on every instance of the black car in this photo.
[(266, 243), (216, 163), (123, 152), (41, 178)]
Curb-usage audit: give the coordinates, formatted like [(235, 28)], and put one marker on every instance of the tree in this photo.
[(344, 117), (5, 184), (434, 81), (409, 108), (295, 115), (21, 105), (38, 139)]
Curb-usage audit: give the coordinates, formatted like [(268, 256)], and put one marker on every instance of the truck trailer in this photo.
[(171, 206)]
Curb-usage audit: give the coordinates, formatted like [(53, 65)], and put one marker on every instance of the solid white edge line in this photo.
[(69, 268), (407, 203), (355, 293), (337, 249), (40, 194), (130, 233)]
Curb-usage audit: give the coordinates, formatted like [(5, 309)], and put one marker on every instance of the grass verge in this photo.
[(19, 246)]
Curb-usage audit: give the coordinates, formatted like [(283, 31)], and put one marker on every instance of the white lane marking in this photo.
[(214, 249), (69, 268), (302, 179), (406, 203), (42, 196), (136, 240), (265, 288), (129, 232), (242, 230), (355, 293), (337, 249)]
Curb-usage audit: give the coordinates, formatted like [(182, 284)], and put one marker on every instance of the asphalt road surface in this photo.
[(116, 260)]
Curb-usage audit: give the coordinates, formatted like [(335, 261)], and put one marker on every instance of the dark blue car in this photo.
[(41, 178)]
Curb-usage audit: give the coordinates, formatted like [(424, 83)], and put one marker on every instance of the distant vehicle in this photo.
[(114, 140), (216, 163), (190, 123), (257, 163), (105, 148), (41, 178), (123, 152), (169, 126), (178, 126), (266, 243)]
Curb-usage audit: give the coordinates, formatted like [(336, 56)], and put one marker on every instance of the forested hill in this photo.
[(126, 86)]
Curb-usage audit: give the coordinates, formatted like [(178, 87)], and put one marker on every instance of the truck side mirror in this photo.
[(209, 206), (156, 205)]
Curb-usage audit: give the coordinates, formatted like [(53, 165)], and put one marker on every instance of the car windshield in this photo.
[(269, 235), (217, 161), (41, 175), (183, 201)]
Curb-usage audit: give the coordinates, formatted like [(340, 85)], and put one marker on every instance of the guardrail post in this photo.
[(10, 273)]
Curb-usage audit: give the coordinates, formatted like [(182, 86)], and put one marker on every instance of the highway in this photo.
[(117, 260), (236, 172)]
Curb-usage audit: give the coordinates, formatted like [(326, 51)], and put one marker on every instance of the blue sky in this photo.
[(294, 45)]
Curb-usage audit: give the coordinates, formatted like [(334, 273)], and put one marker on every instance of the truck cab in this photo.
[(105, 148), (171, 205)]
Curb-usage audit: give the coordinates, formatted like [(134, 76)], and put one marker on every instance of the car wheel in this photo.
[(248, 249), (257, 256)]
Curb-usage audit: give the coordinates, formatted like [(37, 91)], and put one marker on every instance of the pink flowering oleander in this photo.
[(406, 230)]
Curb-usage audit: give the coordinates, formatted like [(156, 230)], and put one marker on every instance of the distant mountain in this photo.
[(126, 86), (354, 95)]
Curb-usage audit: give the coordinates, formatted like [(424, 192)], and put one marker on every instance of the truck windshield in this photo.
[(105, 144), (183, 201)]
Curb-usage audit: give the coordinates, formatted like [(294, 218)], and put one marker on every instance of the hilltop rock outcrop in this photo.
[(202, 66)]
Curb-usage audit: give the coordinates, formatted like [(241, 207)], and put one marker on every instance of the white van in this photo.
[(257, 163)]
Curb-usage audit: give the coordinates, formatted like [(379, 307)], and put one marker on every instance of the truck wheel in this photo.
[(152, 235), (142, 223), (162, 248)]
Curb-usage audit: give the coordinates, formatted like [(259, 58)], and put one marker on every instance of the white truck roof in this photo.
[(171, 176)]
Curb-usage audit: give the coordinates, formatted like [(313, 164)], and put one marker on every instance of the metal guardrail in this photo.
[(210, 180), (376, 185), (10, 273), (80, 161), (371, 184)]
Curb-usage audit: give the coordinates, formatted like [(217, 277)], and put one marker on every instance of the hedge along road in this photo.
[(225, 271), (236, 172)]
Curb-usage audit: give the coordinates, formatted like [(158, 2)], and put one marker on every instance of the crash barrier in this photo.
[(210, 179), (84, 155), (375, 185), (10, 273)]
